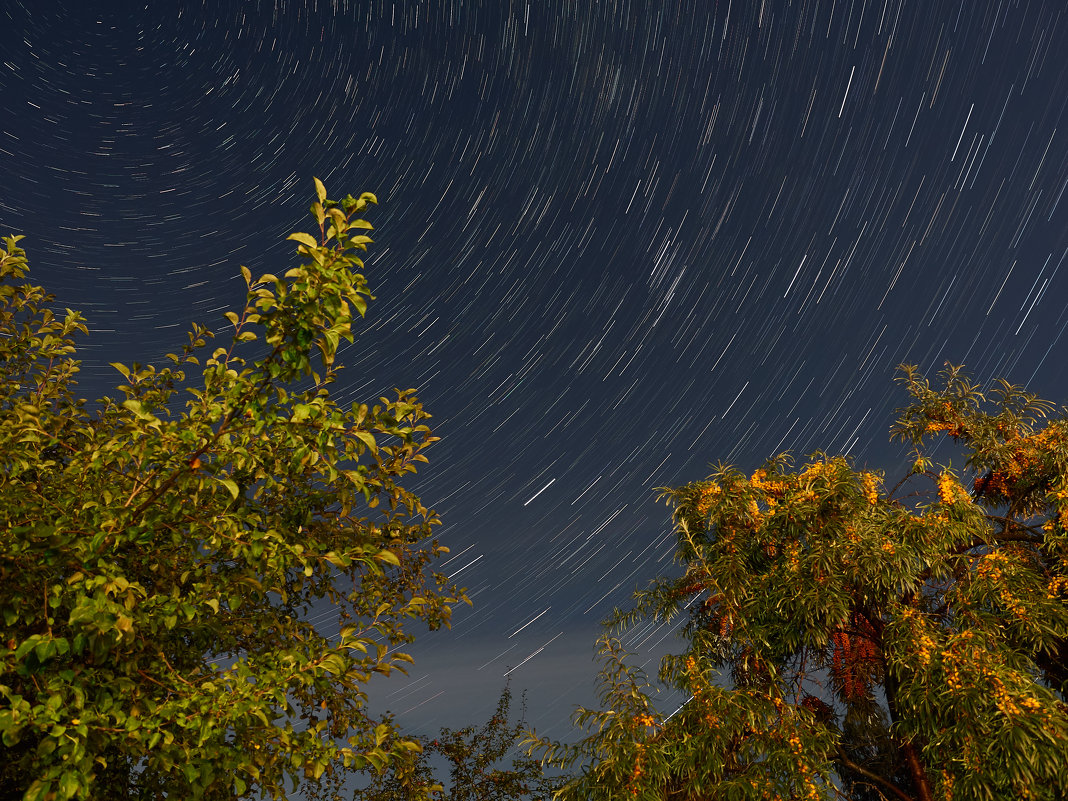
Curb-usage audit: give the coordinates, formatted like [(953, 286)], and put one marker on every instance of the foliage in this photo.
[(159, 563), (473, 755), (846, 641)]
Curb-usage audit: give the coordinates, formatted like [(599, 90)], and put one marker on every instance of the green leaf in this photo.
[(304, 239), (333, 663), (368, 439), (38, 791), (320, 190), (191, 772), (231, 485), (137, 408), (365, 198), (26, 646), (382, 731), (387, 556), (376, 758), (337, 559), (68, 784)]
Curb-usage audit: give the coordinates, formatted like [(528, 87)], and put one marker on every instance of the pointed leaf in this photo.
[(368, 439), (231, 485), (304, 239), (388, 557)]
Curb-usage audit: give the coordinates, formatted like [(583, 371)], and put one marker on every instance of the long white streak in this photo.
[(1042, 161), (998, 295), (426, 701), (669, 717), (1038, 297), (847, 91), (586, 490), (418, 687), (962, 130), (539, 492), (512, 670), (498, 656), (802, 264), (462, 569), (454, 557), (529, 622), (735, 400)]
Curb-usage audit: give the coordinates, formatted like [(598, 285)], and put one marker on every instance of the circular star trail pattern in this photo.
[(617, 242)]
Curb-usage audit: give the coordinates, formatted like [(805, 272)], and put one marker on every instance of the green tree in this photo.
[(159, 562), (849, 641), (476, 757)]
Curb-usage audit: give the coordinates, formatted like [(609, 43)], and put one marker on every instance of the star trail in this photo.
[(617, 242)]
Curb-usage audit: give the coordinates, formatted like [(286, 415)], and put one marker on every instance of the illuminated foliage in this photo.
[(850, 641), (162, 553), (483, 765)]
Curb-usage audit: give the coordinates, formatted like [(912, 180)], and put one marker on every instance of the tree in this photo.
[(474, 756), (159, 563), (845, 641)]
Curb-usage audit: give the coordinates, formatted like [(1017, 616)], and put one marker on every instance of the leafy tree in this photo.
[(849, 641), (159, 563), (473, 755)]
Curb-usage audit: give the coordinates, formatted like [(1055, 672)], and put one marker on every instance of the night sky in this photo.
[(618, 241)]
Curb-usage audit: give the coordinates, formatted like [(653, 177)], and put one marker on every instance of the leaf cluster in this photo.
[(164, 553), (482, 761), (845, 640)]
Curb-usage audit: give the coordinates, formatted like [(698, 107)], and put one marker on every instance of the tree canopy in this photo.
[(484, 764), (849, 640), (162, 551)]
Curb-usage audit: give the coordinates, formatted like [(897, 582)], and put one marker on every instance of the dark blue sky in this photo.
[(617, 242)]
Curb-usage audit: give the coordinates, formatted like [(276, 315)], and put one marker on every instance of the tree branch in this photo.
[(1036, 534), (919, 775), (238, 408), (853, 766)]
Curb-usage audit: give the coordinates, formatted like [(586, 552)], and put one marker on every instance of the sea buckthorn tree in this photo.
[(161, 554), (850, 640)]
